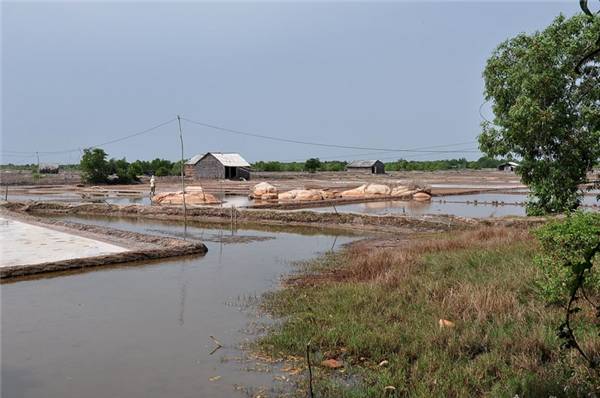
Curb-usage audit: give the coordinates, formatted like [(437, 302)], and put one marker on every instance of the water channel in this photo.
[(144, 330)]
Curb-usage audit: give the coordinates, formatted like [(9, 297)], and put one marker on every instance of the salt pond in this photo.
[(143, 330), (476, 206), (26, 244)]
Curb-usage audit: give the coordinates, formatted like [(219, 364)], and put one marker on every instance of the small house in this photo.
[(218, 165), (48, 168), (366, 166), (508, 166)]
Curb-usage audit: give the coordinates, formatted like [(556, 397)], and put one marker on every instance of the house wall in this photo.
[(366, 170), (209, 167), (243, 172), (378, 168), (189, 170)]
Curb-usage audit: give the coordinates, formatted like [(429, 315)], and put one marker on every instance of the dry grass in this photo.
[(368, 304), (391, 265)]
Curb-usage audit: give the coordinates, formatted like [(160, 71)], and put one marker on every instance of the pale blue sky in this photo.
[(389, 75)]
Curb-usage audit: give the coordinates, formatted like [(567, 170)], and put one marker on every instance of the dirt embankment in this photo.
[(218, 215), (143, 247)]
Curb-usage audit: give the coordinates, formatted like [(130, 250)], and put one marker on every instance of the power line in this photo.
[(268, 137), (148, 130), (145, 131), (353, 155)]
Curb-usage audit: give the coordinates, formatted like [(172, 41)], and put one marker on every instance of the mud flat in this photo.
[(31, 245)]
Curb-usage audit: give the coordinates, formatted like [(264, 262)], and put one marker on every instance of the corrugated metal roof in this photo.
[(226, 159), (362, 163), (195, 159), (513, 164), (49, 166)]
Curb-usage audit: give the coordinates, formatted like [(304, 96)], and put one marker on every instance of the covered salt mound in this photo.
[(421, 196), (263, 191), (302, 195), (195, 196), (367, 191)]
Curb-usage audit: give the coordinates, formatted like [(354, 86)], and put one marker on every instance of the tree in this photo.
[(124, 170), (547, 114), (93, 165), (312, 165)]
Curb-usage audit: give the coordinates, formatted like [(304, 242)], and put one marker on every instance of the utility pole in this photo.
[(38, 160), (182, 179)]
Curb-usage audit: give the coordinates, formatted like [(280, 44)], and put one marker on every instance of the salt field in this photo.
[(26, 244)]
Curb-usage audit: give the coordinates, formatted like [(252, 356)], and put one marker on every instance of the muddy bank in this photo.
[(392, 223), (142, 247), (323, 203)]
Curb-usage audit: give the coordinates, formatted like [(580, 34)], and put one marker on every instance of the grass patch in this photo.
[(365, 305)]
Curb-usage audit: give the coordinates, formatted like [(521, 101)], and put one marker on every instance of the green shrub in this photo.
[(93, 165), (565, 245), (312, 165)]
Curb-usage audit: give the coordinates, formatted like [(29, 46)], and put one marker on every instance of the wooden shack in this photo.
[(366, 166), (508, 166), (49, 168), (218, 165)]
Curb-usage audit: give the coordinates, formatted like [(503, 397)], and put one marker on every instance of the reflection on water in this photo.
[(143, 331)]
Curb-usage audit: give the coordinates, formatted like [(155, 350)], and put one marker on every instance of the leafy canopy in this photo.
[(546, 113), (93, 165), (312, 165)]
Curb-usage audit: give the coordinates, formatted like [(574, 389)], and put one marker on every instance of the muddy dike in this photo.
[(141, 247), (245, 216), (294, 205)]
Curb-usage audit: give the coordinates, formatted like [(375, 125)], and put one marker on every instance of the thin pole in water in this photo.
[(182, 179)]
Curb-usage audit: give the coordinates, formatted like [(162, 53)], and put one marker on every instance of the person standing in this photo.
[(152, 186)]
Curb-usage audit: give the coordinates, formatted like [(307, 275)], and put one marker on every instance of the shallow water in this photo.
[(458, 205), (228, 200), (143, 330)]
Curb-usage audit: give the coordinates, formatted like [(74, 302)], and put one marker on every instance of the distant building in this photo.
[(366, 166), (508, 166), (218, 165), (49, 168)]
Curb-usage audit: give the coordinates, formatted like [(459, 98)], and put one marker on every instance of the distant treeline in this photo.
[(447, 164), (334, 165), (33, 167), (401, 164), (158, 167), (163, 167)]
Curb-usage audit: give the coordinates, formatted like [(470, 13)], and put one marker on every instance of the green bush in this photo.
[(162, 171), (565, 245), (93, 165), (312, 165)]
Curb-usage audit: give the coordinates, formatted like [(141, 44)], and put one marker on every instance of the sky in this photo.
[(389, 75)]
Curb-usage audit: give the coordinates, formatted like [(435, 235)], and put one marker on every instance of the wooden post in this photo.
[(310, 377), (182, 180), (235, 215)]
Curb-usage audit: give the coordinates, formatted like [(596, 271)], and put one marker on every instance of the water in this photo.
[(143, 330), (228, 200), (513, 205)]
